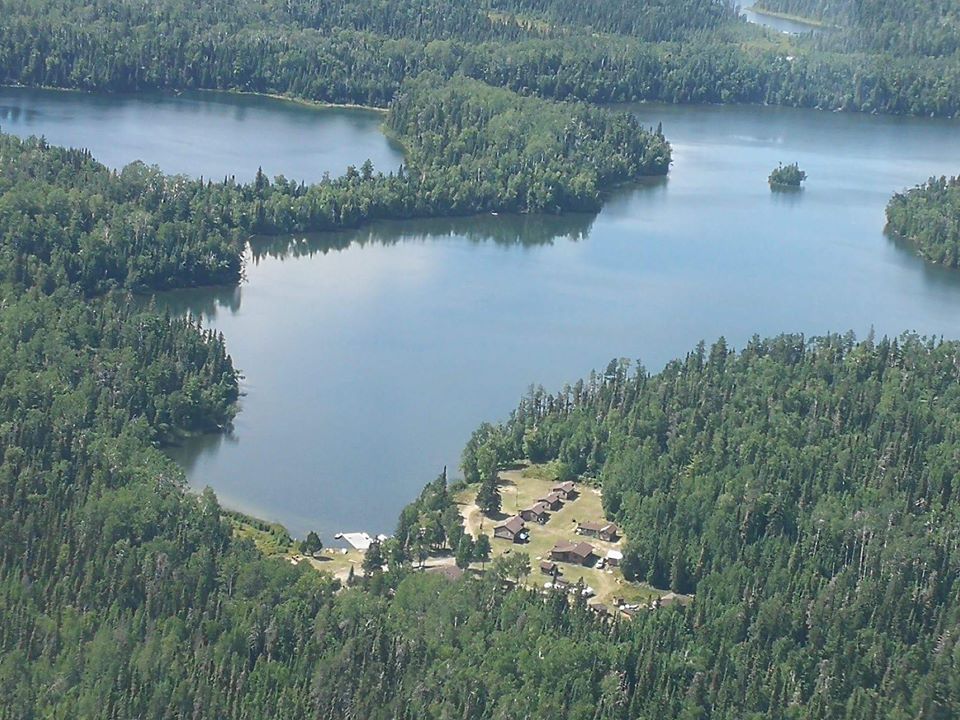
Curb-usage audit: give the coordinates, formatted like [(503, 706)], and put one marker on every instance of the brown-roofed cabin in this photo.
[(536, 513), (589, 528), (609, 532), (577, 553), (548, 567), (513, 529), (552, 500), (566, 490)]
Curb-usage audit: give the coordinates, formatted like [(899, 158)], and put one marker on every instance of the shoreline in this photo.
[(800, 20), (319, 104)]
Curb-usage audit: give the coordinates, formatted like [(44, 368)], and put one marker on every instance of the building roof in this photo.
[(614, 555), (590, 525), (550, 498), (567, 486), (610, 528), (538, 508), (359, 540), (450, 572), (581, 549), (671, 597), (547, 565), (514, 524)]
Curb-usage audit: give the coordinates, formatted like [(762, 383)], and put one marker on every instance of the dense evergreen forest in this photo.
[(930, 28), (806, 492), (361, 51), (928, 217), (803, 490)]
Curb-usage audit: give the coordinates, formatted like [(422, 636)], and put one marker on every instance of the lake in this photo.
[(369, 356), (212, 134), (780, 24)]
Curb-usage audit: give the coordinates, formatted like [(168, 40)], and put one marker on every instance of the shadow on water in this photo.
[(202, 302), (935, 275), (503, 230), (191, 449)]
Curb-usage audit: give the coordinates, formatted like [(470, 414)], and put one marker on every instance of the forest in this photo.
[(470, 148), (802, 489), (927, 217), (361, 52), (923, 29)]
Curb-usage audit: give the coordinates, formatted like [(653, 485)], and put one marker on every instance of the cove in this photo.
[(208, 134), (369, 356)]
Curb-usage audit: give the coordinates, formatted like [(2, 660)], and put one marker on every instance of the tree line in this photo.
[(928, 218), (609, 51)]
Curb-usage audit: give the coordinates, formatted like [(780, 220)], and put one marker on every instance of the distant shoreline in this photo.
[(292, 99), (177, 91), (818, 24)]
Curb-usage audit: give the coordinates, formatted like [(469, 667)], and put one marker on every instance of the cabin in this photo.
[(614, 558), (609, 532), (552, 500), (513, 529), (566, 490), (448, 572), (576, 553), (548, 567), (601, 609), (606, 531), (589, 528), (536, 513), (672, 598)]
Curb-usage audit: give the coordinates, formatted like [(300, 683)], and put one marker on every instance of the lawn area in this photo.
[(273, 540), (334, 561), (522, 487)]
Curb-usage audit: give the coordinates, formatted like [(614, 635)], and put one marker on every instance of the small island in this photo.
[(787, 176)]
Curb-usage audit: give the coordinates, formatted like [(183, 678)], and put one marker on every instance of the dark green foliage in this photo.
[(67, 219), (929, 28), (928, 217), (603, 51), (488, 497), (465, 552), (789, 176), (805, 491), (311, 544), (491, 149)]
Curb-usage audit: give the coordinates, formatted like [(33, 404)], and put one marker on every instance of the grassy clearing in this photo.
[(334, 561), (520, 488), (271, 539)]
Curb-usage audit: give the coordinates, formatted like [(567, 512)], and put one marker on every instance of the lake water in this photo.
[(370, 356), (782, 25), (212, 134)]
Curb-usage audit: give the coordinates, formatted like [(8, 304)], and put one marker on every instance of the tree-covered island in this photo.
[(787, 177)]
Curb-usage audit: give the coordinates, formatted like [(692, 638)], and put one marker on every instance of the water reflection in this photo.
[(204, 302), (504, 230)]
